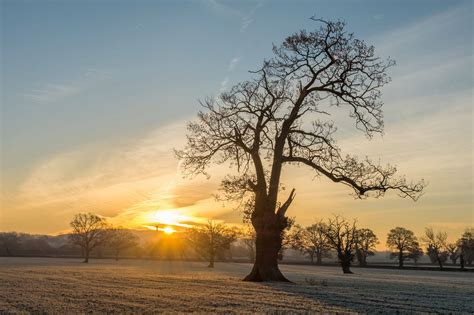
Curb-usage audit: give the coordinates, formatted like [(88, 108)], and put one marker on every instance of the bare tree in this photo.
[(466, 245), (403, 241), (365, 245), (88, 231), (248, 237), (211, 239), (10, 243), (454, 252), (120, 239), (415, 252), (342, 237), (314, 243), (262, 125), (436, 243), (290, 237)]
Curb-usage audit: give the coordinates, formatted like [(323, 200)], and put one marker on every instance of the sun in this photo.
[(168, 230)]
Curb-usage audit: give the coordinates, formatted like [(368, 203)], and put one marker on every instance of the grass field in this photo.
[(52, 285)]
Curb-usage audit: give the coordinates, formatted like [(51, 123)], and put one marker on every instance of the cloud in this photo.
[(99, 178), (51, 92), (246, 16), (246, 21), (378, 16), (224, 84), (233, 63), (428, 30), (54, 92)]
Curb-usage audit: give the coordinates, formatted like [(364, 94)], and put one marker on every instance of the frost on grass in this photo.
[(67, 286)]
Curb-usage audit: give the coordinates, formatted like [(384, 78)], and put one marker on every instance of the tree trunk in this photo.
[(268, 244), (211, 251), (319, 258), (8, 251), (311, 256), (440, 263), (461, 261), (400, 259), (211, 255), (346, 264), (211, 262), (86, 255)]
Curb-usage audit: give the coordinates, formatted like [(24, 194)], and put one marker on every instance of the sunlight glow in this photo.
[(168, 230), (169, 218)]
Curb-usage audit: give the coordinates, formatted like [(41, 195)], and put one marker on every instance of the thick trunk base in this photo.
[(268, 248), (346, 266), (347, 270), (262, 273)]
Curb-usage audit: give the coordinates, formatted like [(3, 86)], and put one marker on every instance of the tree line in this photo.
[(335, 237), (351, 243)]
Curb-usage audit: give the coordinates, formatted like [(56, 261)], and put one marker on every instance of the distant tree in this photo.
[(291, 235), (248, 237), (313, 242), (466, 245), (403, 241), (436, 245), (120, 239), (210, 239), (280, 117), (435, 257), (33, 245), (341, 236), (88, 231), (415, 252), (365, 245), (10, 243), (453, 252)]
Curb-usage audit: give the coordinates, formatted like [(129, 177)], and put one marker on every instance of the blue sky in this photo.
[(95, 78)]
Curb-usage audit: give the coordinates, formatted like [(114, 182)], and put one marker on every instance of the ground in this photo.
[(53, 285)]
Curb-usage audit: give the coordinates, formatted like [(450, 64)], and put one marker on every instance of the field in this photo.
[(52, 285)]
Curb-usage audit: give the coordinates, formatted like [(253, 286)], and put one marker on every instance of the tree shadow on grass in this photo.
[(354, 294)]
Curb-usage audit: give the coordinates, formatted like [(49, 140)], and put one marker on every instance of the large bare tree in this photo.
[(282, 116)]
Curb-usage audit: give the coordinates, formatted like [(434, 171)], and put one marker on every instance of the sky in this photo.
[(96, 94)]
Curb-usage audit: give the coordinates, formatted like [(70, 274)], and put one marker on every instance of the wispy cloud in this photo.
[(398, 40), (378, 16), (233, 63), (224, 84), (245, 22), (53, 92), (120, 182), (246, 16)]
